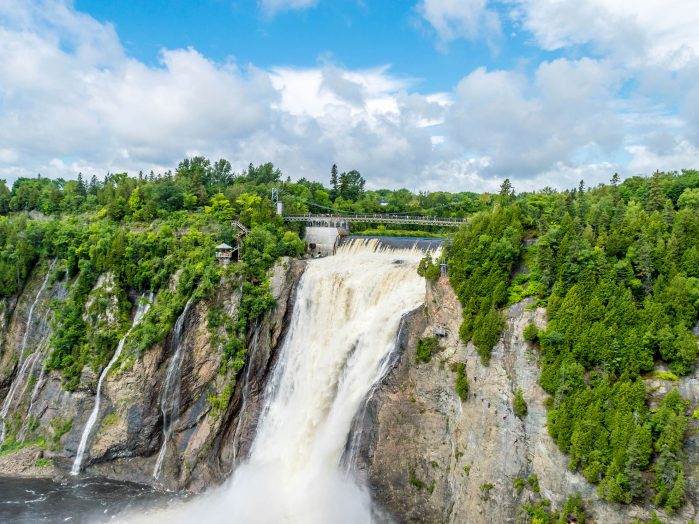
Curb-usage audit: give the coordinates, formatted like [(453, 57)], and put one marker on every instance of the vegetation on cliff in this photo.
[(618, 268)]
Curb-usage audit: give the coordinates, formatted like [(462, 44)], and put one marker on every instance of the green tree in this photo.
[(221, 208)]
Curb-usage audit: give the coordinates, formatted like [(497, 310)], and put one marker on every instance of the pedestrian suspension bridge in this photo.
[(343, 221), (324, 230)]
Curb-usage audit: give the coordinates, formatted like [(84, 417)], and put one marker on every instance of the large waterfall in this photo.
[(342, 332)]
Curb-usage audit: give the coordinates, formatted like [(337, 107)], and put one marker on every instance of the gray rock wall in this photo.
[(429, 457)]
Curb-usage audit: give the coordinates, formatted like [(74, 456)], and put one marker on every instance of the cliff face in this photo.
[(204, 442), (429, 457)]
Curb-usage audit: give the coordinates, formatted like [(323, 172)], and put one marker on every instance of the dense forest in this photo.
[(617, 267), (147, 229)]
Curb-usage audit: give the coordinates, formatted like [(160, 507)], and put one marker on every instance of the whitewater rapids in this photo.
[(343, 330)]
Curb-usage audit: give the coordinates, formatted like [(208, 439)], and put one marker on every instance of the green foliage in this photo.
[(575, 507), (519, 405), (428, 268), (59, 427), (533, 482), (665, 375), (219, 402), (531, 332), (461, 381), (519, 484), (481, 258), (426, 347), (416, 482), (43, 462)]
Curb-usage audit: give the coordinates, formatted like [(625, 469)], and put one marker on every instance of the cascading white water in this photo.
[(141, 310), (24, 360), (342, 332), (170, 394)]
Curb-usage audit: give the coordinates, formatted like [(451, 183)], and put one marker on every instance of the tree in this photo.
[(689, 199), (4, 198), (221, 208), (334, 184), (507, 191), (615, 179), (351, 186)]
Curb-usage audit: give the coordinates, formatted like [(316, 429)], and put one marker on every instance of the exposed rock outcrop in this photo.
[(429, 457), (205, 441)]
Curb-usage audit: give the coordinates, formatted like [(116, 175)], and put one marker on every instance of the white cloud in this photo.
[(71, 100), (272, 7), (526, 126), (653, 31), (454, 19)]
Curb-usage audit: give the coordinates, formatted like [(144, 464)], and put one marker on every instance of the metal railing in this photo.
[(391, 218)]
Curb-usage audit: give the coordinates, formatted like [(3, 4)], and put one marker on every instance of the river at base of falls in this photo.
[(73, 500)]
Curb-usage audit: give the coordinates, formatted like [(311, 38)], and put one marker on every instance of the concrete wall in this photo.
[(325, 240)]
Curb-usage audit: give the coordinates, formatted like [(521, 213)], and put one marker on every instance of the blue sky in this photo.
[(426, 94), (350, 33)]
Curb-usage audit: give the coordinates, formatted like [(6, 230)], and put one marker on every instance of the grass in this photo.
[(110, 420), (665, 375), (43, 462), (416, 482)]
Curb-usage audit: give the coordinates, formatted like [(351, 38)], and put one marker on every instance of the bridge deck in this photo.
[(338, 220)]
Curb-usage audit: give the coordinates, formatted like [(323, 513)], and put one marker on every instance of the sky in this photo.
[(431, 95)]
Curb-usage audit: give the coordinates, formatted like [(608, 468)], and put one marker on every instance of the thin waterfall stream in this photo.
[(170, 394), (24, 361), (339, 344), (141, 310)]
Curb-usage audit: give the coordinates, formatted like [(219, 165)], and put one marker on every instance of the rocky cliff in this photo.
[(45, 422), (429, 457)]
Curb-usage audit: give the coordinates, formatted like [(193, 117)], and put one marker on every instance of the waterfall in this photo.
[(339, 343), (170, 394), (141, 310), (24, 361)]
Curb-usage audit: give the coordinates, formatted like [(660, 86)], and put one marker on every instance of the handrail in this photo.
[(393, 218)]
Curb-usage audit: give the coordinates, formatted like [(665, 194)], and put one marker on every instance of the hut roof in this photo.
[(224, 246)]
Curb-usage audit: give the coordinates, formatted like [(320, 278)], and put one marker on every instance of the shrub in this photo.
[(533, 482), (416, 482), (461, 381), (519, 405), (531, 332), (426, 347), (486, 333)]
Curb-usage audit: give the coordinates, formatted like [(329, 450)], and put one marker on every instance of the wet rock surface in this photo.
[(128, 432)]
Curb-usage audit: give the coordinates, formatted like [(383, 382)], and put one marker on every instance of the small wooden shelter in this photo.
[(224, 253)]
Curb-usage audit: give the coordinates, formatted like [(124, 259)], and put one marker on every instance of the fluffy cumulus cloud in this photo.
[(526, 126), (72, 100), (639, 32)]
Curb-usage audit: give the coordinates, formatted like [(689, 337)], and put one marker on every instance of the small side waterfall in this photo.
[(170, 394), (141, 310), (339, 344), (24, 360)]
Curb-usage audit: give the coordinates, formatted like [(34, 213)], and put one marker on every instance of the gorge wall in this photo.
[(204, 442), (426, 455), (430, 457)]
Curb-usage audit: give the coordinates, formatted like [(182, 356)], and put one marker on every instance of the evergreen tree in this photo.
[(334, 183)]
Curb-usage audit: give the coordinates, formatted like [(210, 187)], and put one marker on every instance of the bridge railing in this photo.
[(391, 218)]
